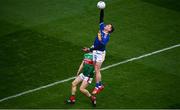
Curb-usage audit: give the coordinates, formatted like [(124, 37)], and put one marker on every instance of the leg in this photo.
[(97, 67), (72, 99), (74, 85), (86, 92), (98, 60), (83, 88), (99, 87)]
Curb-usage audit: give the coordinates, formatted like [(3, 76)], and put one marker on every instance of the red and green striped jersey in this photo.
[(88, 68)]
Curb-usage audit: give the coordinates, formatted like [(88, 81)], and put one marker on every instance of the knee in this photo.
[(73, 84), (97, 68), (81, 89)]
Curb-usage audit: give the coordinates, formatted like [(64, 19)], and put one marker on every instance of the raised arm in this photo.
[(101, 16), (101, 25)]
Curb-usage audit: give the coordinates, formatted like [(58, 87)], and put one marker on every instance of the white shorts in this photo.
[(99, 56), (85, 78)]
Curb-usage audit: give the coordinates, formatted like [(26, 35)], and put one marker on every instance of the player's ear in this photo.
[(112, 29)]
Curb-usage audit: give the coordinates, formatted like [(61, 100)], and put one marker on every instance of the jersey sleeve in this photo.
[(101, 26)]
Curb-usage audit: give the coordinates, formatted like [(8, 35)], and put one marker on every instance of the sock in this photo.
[(72, 97), (100, 84), (97, 85)]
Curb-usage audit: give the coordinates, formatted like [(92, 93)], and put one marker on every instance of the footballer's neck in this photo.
[(106, 32)]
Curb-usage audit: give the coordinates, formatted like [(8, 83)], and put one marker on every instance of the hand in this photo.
[(85, 49), (99, 36)]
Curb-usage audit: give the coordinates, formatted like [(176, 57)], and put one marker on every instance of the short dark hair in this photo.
[(112, 29)]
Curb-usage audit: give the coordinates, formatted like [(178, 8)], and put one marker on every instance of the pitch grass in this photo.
[(41, 41)]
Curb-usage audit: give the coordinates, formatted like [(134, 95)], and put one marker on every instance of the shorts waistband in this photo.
[(98, 51)]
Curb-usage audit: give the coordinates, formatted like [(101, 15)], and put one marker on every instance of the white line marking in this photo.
[(142, 56), (105, 68)]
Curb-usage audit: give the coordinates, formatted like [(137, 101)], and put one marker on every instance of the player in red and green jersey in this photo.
[(85, 77)]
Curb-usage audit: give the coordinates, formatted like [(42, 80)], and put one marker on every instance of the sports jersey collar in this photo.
[(105, 32)]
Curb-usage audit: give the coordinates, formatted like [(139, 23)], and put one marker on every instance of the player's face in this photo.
[(108, 27)]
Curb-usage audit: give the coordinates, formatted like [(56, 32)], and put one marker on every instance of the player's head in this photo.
[(109, 28)]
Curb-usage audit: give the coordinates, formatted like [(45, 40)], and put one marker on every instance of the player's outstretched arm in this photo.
[(101, 24), (101, 16)]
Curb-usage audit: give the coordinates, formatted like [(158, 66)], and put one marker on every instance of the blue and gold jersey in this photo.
[(104, 37)]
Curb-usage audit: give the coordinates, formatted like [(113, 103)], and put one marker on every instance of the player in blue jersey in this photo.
[(99, 50)]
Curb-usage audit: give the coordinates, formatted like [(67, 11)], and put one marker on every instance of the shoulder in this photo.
[(102, 23), (88, 55)]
